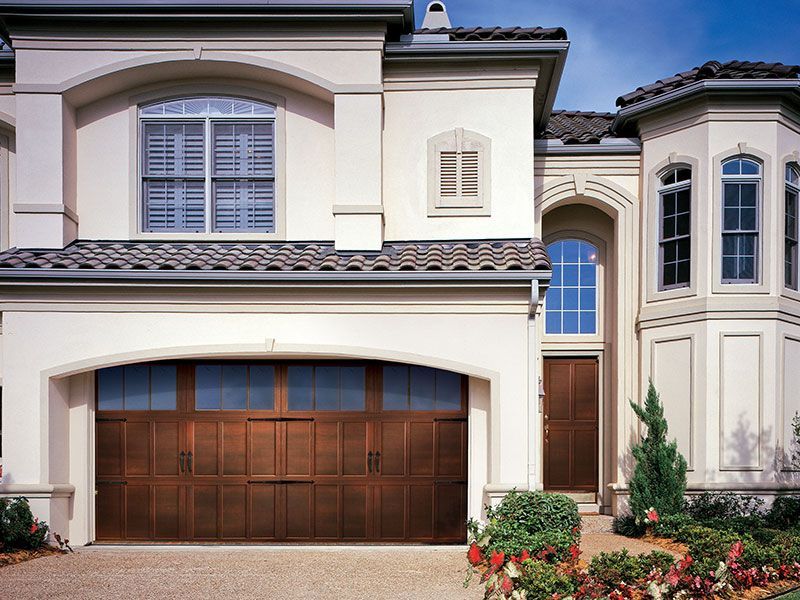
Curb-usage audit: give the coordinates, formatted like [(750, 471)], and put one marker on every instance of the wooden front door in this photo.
[(571, 424), (287, 470)]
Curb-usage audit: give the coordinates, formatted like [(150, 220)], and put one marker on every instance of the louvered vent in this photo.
[(448, 174), (470, 174)]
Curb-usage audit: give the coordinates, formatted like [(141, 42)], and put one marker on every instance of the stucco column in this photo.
[(358, 207), (45, 204)]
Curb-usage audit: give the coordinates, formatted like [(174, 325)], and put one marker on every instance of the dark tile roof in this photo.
[(500, 255), (578, 127), (733, 69), (491, 34)]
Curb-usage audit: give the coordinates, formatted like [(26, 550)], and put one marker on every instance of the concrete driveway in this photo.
[(243, 572)]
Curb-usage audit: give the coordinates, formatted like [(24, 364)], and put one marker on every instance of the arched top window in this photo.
[(741, 166), (791, 234), (741, 220), (209, 107), (571, 300), (208, 166), (675, 228)]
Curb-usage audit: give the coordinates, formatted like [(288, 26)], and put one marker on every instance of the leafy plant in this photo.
[(19, 530), (796, 432), (671, 525), (628, 526), (542, 580), (656, 561), (710, 506), (613, 568), (545, 525), (659, 478), (784, 512)]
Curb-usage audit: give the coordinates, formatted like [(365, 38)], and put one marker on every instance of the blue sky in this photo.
[(617, 45)]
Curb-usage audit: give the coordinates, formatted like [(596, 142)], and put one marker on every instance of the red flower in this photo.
[(524, 556), (34, 528), (652, 515), (574, 551), (507, 586), (498, 559), (474, 554), (736, 551)]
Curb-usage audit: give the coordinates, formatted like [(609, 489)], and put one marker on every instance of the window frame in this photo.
[(198, 90), (758, 181), (791, 188), (671, 188), (599, 291)]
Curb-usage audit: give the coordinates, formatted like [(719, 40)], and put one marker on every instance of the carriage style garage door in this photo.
[(295, 452)]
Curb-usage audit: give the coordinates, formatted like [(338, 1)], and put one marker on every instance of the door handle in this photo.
[(377, 462), (369, 461), (182, 460), (547, 433), (190, 457)]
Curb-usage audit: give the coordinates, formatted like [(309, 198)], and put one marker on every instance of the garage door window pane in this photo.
[(301, 388), (395, 388), (163, 388), (448, 390), (234, 387), (208, 385), (326, 384), (137, 387), (352, 382), (262, 388), (423, 388), (109, 389)]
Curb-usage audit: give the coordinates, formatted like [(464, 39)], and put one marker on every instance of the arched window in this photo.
[(571, 300), (675, 243), (791, 233), (741, 220), (208, 165)]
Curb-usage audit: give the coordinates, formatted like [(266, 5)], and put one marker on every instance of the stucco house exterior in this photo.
[(296, 271)]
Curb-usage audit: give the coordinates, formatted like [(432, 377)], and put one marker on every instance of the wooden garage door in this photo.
[(295, 452)]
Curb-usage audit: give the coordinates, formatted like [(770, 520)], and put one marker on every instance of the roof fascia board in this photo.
[(7, 275), (396, 51), (540, 120), (733, 86), (624, 146)]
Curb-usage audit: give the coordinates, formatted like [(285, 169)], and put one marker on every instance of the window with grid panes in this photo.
[(741, 205), (571, 300), (675, 244), (792, 194), (208, 165)]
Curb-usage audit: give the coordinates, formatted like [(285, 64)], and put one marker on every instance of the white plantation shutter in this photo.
[(461, 164), (238, 173)]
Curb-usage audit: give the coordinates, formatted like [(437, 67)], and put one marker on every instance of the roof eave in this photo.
[(312, 277), (629, 114), (605, 146)]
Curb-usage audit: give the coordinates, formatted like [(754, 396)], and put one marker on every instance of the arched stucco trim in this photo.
[(596, 191), (115, 77), (7, 121)]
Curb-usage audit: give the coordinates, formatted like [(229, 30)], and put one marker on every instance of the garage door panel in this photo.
[(234, 448), (137, 449), (326, 448), (450, 517), (390, 502), (354, 448), (137, 511), (420, 450), (420, 511), (298, 510), (109, 508), (206, 448), (450, 451), (204, 500), (166, 447), (234, 511), (262, 510), (298, 448), (262, 448), (354, 512), (392, 448), (326, 511), (109, 448), (167, 508)]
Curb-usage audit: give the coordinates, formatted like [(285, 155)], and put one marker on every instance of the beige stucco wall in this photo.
[(52, 346)]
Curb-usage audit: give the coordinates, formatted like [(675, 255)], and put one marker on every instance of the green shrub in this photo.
[(785, 512), (788, 545), (708, 546), (710, 506), (658, 560), (659, 477), (538, 511), (628, 526), (531, 521), (19, 530), (670, 525), (541, 580), (613, 568)]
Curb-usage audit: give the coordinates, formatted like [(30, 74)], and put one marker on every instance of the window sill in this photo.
[(459, 211), (207, 237)]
